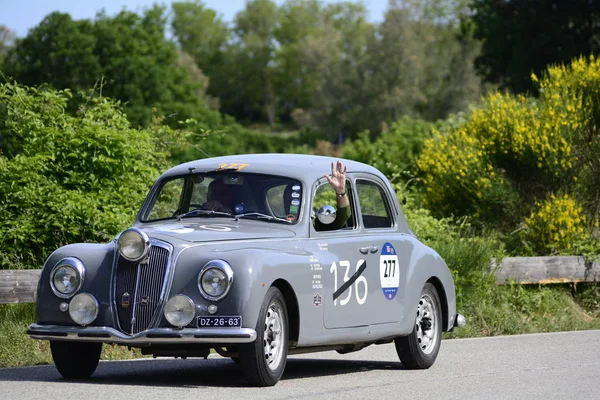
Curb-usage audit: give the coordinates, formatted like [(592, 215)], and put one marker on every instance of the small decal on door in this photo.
[(389, 271), (317, 300)]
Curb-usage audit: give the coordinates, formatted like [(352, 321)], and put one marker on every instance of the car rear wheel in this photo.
[(264, 360), (75, 360), (420, 349)]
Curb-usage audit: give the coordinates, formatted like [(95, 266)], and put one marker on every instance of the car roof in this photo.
[(300, 166)]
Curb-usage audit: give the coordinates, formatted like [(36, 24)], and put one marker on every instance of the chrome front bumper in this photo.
[(158, 335)]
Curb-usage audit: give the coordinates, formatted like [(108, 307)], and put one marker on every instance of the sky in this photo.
[(21, 15)]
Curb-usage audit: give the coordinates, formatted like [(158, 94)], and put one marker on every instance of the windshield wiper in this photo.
[(262, 216), (205, 213)]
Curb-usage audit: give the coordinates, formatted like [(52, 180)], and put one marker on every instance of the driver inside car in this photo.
[(220, 197)]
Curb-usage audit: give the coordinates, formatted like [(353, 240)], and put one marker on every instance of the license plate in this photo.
[(220, 322)]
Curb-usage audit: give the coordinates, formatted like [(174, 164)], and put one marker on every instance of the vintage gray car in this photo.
[(255, 282)]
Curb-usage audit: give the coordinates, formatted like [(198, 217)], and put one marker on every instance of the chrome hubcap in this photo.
[(272, 337), (426, 324)]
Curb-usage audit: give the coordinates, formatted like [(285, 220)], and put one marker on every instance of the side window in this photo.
[(325, 195), (167, 202), (373, 205)]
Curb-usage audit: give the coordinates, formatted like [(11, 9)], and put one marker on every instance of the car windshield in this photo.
[(227, 194)]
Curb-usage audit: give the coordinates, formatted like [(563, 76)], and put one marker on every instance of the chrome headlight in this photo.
[(179, 311), (133, 244), (66, 278), (215, 279), (83, 309)]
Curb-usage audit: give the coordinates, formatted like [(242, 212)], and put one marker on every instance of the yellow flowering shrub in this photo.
[(460, 174), (513, 150), (556, 225), (574, 90)]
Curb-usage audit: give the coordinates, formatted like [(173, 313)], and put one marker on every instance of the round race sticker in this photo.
[(389, 271)]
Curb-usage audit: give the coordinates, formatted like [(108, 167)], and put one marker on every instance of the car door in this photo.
[(384, 249), (348, 267)]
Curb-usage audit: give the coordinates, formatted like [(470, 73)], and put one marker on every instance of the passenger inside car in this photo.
[(337, 181)]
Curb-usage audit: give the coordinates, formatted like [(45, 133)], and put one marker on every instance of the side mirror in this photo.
[(326, 214)]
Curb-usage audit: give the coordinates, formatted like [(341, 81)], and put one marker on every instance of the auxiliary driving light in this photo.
[(179, 310), (83, 309)]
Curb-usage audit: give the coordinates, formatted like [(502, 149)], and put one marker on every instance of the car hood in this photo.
[(206, 231)]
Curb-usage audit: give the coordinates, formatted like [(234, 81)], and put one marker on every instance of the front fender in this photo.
[(97, 260), (254, 269)]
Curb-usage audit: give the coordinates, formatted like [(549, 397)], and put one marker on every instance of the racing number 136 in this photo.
[(361, 280)]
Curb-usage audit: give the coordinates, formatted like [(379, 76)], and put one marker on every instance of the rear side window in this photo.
[(373, 204)]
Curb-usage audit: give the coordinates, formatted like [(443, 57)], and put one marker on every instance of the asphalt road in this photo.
[(542, 366)]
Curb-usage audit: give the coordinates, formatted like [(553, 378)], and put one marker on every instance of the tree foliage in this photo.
[(327, 67), (127, 56), (524, 36), (315, 64), (7, 38)]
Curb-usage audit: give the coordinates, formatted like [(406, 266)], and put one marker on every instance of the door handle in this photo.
[(368, 249)]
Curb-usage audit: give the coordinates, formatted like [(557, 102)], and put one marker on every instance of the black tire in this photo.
[(75, 360), (419, 350), (271, 333), (235, 360)]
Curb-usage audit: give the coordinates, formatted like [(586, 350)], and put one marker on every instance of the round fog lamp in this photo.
[(179, 311), (83, 309), (133, 244)]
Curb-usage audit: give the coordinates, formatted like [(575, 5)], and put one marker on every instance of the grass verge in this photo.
[(17, 349)]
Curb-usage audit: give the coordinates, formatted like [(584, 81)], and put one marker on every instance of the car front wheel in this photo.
[(420, 349), (75, 360), (264, 360)]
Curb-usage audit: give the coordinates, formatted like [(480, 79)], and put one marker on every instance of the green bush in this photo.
[(66, 179), (393, 152), (235, 139)]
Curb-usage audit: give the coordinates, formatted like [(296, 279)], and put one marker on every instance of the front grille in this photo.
[(138, 289)]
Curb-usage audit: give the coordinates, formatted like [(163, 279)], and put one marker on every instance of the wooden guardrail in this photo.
[(542, 270), (19, 286)]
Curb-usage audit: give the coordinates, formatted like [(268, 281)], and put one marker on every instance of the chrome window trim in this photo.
[(79, 267)]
